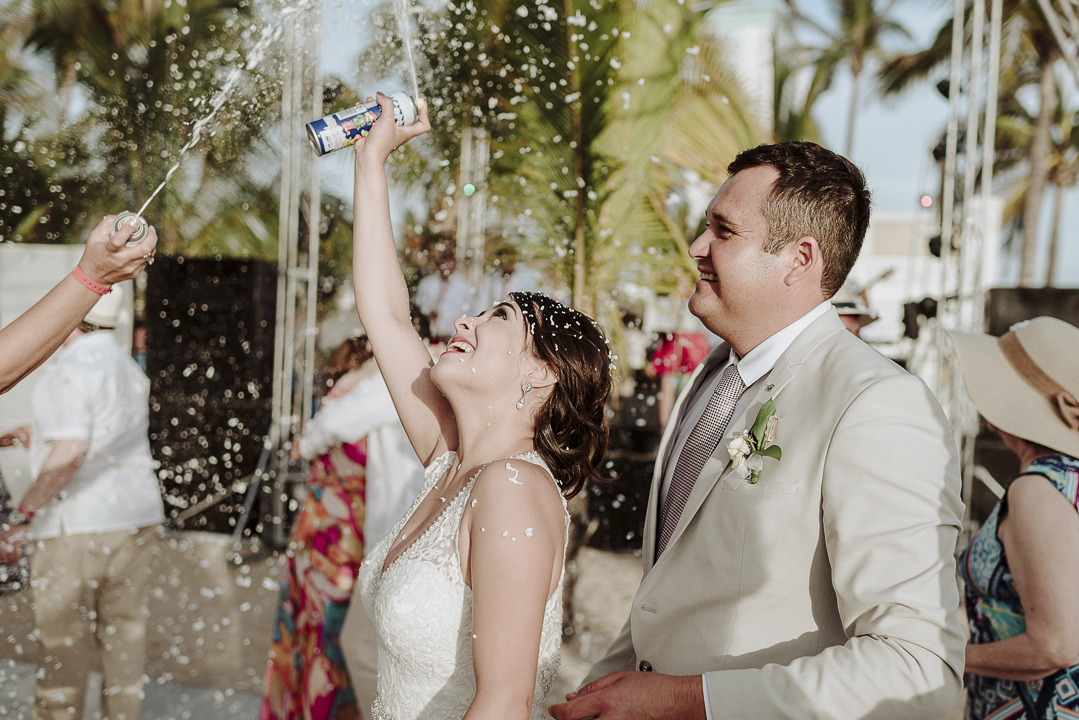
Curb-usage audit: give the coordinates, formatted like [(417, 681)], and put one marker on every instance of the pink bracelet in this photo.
[(28, 513), (96, 287)]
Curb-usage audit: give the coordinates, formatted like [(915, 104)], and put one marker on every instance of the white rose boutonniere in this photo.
[(748, 448)]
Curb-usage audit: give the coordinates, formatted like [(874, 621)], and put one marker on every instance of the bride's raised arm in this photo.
[(382, 297)]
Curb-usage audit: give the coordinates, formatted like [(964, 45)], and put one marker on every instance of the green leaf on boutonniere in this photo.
[(771, 451), (761, 424)]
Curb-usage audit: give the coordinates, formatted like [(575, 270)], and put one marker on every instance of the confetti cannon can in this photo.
[(342, 129), (125, 218)]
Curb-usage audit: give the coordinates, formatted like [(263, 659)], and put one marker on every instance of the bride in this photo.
[(466, 592)]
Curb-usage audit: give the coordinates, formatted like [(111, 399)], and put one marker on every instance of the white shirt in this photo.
[(394, 473), (753, 368), (95, 392)]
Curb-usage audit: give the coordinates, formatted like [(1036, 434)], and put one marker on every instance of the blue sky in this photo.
[(893, 137)]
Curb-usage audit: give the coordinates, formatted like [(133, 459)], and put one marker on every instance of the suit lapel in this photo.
[(720, 354), (716, 466)]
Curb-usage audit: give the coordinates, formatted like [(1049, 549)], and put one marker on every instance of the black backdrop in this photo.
[(210, 339)]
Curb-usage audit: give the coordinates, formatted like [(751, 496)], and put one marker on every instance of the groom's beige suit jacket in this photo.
[(828, 589)]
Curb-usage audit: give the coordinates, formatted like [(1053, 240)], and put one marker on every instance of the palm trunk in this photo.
[(1054, 234), (580, 259), (1040, 150), (852, 113), (68, 84)]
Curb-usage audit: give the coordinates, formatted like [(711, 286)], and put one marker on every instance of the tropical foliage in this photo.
[(1032, 54), (603, 118), (131, 79), (857, 34)]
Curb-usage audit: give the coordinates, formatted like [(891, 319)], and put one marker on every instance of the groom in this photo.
[(826, 588)]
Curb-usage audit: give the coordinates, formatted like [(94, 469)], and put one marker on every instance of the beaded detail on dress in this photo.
[(422, 612)]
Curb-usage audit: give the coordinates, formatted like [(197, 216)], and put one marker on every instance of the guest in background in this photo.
[(13, 577), (850, 303), (363, 476), (444, 297), (91, 515), (680, 347), (1021, 570)]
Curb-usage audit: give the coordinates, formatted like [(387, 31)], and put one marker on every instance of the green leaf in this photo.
[(761, 424), (771, 451)]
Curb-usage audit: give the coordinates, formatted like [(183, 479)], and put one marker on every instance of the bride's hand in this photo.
[(386, 135)]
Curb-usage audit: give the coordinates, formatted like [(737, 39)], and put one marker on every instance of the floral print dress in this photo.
[(995, 613), (306, 676)]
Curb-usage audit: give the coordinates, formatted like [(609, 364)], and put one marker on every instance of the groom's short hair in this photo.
[(819, 193)]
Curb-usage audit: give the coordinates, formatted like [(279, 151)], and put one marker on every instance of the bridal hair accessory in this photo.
[(546, 316), (748, 448), (525, 387)]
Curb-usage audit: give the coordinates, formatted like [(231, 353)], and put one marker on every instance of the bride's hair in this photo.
[(571, 429)]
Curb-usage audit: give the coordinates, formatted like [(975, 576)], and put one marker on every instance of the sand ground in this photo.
[(209, 630)]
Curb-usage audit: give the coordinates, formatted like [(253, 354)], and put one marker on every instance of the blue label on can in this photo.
[(341, 129)]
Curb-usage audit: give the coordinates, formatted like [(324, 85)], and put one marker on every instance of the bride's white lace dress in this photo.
[(422, 612)]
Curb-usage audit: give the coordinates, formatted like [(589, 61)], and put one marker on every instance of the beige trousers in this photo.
[(90, 598)]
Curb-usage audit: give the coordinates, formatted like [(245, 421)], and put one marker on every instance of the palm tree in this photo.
[(862, 27), (800, 76), (1029, 36), (149, 69), (1015, 128)]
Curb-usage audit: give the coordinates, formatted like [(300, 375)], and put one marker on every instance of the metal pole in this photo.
[(969, 239), (964, 415), (314, 217), (948, 204), (1070, 17), (477, 227), (989, 139), (1066, 49), (283, 236), (292, 126), (464, 176)]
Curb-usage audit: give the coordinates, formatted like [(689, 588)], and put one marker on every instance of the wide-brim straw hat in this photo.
[(847, 301), (1026, 382)]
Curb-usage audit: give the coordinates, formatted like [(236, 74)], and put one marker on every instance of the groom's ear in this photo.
[(804, 262)]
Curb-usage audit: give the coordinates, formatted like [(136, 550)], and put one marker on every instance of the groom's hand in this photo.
[(635, 696)]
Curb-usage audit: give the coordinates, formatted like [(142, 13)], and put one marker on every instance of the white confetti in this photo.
[(505, 533), (473, 503), (516, 474), (528, 532)]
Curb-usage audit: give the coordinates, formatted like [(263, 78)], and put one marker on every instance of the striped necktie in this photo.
[(699, 447)]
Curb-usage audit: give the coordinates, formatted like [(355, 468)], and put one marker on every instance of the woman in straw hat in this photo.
[(1022, 567)]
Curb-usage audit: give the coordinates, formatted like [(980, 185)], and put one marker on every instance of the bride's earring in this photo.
[(525, 387)]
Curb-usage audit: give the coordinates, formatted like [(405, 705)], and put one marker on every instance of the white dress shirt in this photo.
[(95, 392), (394, 473)]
